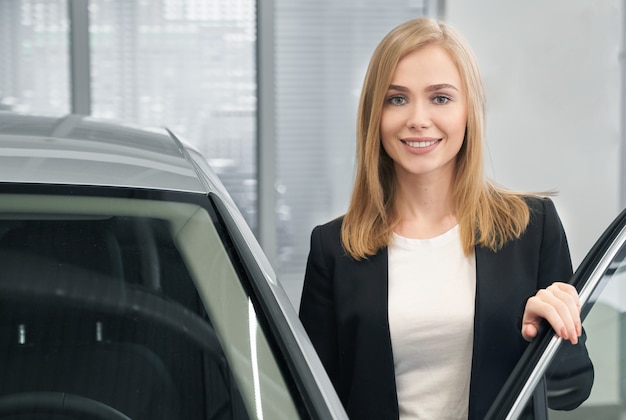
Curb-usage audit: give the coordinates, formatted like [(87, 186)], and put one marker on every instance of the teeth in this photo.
[(420, 144)]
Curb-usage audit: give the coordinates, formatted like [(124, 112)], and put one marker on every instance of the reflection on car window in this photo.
[(605, 327), (134, 305)]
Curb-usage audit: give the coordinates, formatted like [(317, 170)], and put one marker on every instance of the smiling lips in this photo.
[(420, 144)]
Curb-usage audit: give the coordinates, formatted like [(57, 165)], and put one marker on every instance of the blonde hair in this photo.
[(487, 215)]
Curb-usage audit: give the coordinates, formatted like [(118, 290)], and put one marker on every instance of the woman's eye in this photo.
[(396, 100), (441, 100)]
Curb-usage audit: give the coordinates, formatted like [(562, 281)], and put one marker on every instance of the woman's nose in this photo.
[(418, 117)]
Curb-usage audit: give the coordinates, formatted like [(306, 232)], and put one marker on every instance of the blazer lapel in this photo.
[(500, 293), (484, 261), (366, 316)]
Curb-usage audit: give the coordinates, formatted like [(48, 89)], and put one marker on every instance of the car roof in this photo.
[(80, 150)]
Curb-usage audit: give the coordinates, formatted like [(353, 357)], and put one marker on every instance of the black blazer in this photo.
[(344, 310)]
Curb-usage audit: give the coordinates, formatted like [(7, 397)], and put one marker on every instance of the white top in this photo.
[(432, 286)]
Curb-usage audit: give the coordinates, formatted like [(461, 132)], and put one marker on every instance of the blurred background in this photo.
[(268, 91)]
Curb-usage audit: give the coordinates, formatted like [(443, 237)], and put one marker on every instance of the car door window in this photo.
[(605, 327), (553, 379)]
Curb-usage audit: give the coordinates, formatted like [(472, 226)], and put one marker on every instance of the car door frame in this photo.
[(303, 363), (525, 381)]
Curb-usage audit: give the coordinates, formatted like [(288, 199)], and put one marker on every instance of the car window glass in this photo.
[(605, 331), (134, 304)]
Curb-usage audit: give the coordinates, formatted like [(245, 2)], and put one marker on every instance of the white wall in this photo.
[(553, 83)]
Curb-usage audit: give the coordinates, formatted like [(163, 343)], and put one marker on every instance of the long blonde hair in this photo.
[(487, 215)]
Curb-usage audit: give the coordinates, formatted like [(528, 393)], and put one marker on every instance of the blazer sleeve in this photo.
[(569, 378), (317, 306), (555, 263)]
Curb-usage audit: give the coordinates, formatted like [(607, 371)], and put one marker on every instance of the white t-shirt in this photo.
[(432, 287)]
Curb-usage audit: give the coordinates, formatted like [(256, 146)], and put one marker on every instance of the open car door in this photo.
[(539, 384)]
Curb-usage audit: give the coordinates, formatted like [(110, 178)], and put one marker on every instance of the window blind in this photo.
[(322, 51)]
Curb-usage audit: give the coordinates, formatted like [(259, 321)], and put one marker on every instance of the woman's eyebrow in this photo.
[(430, 88), (398, 88), (441, 86)]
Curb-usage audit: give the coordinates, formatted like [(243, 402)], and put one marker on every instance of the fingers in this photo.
[(529, 332), (560, 306)]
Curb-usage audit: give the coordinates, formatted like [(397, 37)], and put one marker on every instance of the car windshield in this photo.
[(132, 306)]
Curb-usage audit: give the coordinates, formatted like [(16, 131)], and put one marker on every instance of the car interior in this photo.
[(96, 319)]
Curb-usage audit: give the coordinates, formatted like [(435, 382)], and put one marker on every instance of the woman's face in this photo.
[(425, 114)]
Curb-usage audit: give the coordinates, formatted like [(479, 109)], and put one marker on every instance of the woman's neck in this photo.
[(425, 206)]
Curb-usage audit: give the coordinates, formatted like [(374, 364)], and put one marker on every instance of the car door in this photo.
[(533, 387)]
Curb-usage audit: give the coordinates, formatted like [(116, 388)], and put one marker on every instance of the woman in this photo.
[(421, 299)]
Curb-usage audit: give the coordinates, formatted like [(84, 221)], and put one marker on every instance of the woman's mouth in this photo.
[(420, 144)]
